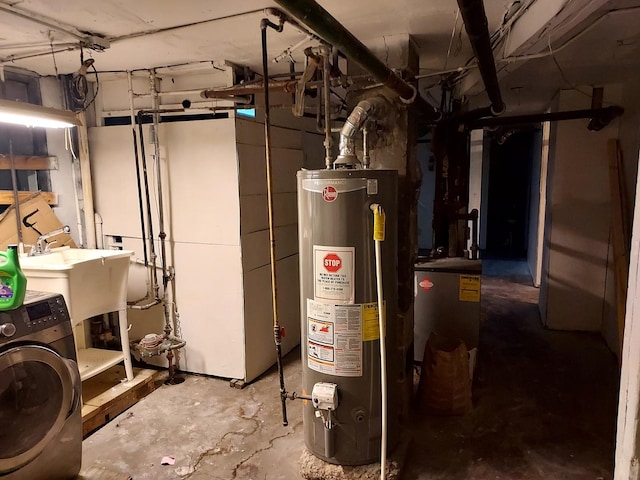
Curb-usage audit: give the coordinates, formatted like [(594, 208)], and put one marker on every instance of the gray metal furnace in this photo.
[(447, 301), (339, 315)]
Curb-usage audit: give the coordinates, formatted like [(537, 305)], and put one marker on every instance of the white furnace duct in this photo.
[(339, 304)]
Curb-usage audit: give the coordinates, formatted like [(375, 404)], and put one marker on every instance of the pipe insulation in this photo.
[(476, 25)]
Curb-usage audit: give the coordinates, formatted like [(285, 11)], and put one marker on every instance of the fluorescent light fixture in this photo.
[(31, 115)]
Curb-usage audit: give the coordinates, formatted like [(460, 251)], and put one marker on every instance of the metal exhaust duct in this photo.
[(476, 25), (310, 13)]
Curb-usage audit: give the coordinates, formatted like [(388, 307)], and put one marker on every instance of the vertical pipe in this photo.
[(378, 237), (366, 158), (168, 328), (272, 241), (326, 74), (16, 198), (328, 441), (474, 234), (143, 229), (85, 175), (68, 141), (156, 144), (145, 177)]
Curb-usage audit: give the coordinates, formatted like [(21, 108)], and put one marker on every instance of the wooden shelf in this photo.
[(105, 396)]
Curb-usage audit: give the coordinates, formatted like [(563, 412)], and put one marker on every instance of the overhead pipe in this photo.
[(476, 25), (287, 86), (333, 32), (603, 115)]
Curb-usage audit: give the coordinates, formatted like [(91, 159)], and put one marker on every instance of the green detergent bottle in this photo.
[(13, 283)]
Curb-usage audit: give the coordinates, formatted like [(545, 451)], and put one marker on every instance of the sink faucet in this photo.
[(42, 246)]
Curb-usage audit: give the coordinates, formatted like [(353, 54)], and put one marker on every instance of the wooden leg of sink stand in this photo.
[(124, 340)]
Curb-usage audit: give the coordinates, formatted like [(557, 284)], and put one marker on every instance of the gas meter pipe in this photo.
[(378, 237)]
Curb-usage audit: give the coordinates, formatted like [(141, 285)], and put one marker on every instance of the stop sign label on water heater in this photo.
[(332, 262), (334, 273)]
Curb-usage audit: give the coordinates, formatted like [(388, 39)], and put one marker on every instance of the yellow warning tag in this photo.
[(370, 326), (469, 288)]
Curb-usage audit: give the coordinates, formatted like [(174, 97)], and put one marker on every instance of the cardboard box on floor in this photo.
[(36, 217)]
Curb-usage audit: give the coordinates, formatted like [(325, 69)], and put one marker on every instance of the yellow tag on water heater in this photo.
[(379, 218)]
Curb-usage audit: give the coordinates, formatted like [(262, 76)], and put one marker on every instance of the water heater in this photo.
[(339, 309)]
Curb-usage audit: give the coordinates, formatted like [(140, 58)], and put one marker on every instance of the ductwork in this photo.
[(475, 23), (371, 108)]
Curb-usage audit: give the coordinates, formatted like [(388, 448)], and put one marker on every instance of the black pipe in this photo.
[(143, 227), (603, 116), (333, 32), (145, 176), (277, 334), (475, 23)]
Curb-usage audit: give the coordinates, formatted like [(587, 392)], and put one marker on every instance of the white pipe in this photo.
[(85, 175), (379, 212), (74, 178)]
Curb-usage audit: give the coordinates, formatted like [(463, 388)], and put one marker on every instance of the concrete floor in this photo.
[(544, 407)]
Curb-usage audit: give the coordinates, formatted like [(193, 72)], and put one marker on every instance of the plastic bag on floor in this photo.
[(445, 386)]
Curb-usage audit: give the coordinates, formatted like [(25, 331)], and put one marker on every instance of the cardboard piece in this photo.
[(36, 218)]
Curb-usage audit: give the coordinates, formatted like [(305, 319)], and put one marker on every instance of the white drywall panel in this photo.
[(113, 170), (209, 299), (579, 229), (202, 187), (259, 344)]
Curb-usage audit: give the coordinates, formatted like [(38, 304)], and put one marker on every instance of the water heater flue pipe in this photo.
[(370, 108)]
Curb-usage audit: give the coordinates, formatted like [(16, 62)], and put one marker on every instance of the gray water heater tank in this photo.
[(340, 333)]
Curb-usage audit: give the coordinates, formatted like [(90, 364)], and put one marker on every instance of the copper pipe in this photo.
[(288, 86)]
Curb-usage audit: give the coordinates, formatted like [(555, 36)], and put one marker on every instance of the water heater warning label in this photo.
[(334, 339), (333, 273)]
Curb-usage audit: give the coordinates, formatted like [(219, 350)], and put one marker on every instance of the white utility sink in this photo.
[(92, 281)]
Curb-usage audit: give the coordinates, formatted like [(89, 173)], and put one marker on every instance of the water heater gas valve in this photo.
[(325, 396)]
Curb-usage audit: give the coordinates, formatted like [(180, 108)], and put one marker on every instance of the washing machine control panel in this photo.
[(39, 311)]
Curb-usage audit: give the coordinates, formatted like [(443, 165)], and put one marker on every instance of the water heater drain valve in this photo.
[(325, 396)]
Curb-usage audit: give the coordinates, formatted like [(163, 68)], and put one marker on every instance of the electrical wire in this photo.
[(453, 34), (564, 77)]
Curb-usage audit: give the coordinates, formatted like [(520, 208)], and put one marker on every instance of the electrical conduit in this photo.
[(378, 237)]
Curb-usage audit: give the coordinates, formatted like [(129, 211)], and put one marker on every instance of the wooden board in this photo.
[(28, 162), (105, 396), (620, 235), (6, 197), (99, 473)]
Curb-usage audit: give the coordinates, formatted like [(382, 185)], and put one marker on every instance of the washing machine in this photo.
[(40, 392)]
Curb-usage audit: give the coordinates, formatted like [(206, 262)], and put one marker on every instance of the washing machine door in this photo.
[(38, 391)]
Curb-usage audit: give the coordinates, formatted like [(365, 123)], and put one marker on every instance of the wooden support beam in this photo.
[(29, 162), (6, 197), (620, 235)]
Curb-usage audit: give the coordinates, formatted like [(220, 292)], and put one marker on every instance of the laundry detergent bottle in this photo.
[(13, 283)]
